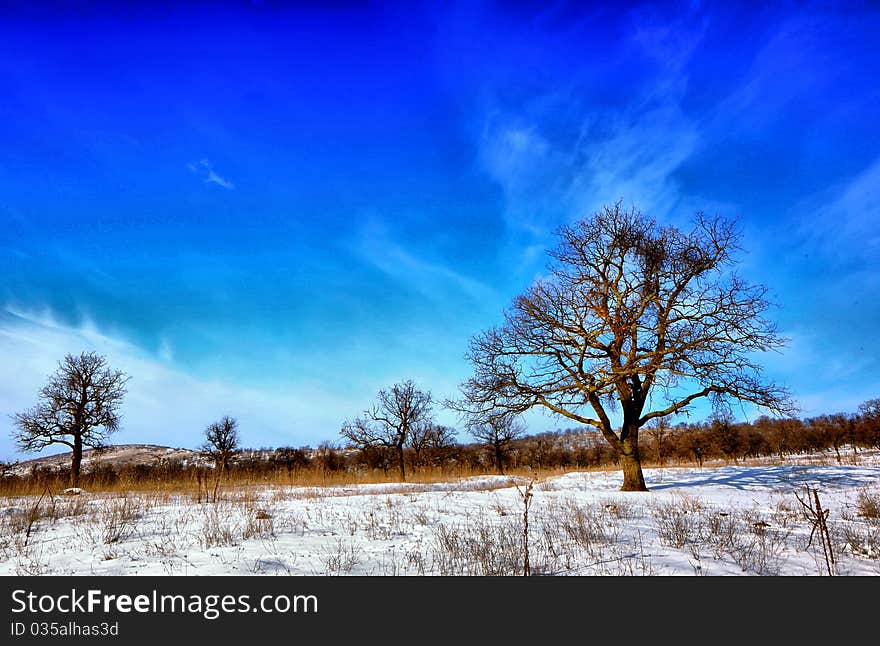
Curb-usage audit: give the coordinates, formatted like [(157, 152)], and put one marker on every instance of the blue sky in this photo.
[(272, 211)]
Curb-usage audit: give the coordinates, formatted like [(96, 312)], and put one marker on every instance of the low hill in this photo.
[(114, 455)]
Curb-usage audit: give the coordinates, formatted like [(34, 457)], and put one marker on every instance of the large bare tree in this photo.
[(78, 407), (392, 421), (634, 321)]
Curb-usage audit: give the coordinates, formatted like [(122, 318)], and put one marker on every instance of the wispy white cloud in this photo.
[(376, 245), (789, 65), (821, 256), (633, 159), (832, 233), (18, 253), (669, 43), (631, 156), (205, 169), (165, 404), (216, 179), (823, 381), (165, 351), (852, 217), (530, 171), (553, 170)]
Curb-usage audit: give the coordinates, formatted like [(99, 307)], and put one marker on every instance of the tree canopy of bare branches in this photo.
[(870, 409), (78, 407), (221, 441), (430, 437), (392, 422), (633, 319), (498, 433)]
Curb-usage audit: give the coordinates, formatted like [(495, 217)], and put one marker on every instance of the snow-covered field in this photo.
[(732, 520)]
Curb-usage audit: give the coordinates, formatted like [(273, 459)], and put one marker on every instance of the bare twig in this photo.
[(527, 501), (34, 512), (818, 519)]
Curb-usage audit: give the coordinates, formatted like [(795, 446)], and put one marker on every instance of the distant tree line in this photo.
[(687, 443)]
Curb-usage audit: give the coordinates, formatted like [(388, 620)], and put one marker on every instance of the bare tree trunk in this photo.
[(499, 459), (633, 479), (402, 463), (527, 501), (416, 460), (220, 468), (76, 460)]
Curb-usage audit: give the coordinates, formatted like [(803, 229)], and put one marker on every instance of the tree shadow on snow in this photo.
[(771, 477)]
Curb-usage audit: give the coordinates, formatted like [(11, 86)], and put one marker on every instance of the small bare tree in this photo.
[(292, 459), (868, 422), (221, 443), (429, 438), (633, 319), (78, 407), (498, 433), (726, 435), (659, 430), (392, 421)]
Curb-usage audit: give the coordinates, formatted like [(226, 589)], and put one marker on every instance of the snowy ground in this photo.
[(732, 520)]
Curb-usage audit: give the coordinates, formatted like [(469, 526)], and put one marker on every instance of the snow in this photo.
[(114, 455), (725, 521)]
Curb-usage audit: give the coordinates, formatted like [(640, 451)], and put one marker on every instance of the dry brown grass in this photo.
[(188, 484), (240, 482), (868, 504)]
